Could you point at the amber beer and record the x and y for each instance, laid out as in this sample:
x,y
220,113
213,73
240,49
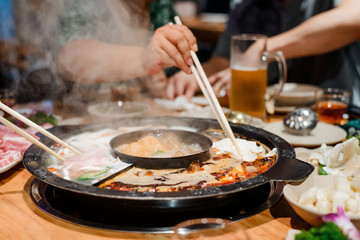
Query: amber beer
x,y
331,111
248,88
248,62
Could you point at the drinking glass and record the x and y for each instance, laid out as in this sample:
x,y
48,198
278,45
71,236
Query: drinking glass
x,y
249,67
331,104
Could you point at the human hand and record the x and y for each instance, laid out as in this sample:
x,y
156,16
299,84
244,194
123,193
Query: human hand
x,y
181,84
155,84
220,80
169,46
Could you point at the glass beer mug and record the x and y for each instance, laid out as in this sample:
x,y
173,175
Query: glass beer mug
x,y
249,64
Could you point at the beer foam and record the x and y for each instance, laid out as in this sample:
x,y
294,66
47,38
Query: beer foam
x,y
245,68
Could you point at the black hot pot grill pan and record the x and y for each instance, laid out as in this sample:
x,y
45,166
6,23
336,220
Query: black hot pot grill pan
x,y
286,168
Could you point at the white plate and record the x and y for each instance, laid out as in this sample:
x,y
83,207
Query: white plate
x,y
112,110
295,94
322,133
17,159
178,104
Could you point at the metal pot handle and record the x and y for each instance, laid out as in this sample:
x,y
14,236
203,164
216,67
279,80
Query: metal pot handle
x,y
289,169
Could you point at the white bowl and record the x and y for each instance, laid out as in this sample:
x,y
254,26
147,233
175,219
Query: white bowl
x,y
295,94
312,215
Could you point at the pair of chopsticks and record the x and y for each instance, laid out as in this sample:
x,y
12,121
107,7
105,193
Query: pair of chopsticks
x,y
37,127
209,94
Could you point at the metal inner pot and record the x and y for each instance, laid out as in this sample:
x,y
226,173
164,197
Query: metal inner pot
x,y
286,167
186,137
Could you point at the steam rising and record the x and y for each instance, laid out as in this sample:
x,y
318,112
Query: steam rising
x,y
46,25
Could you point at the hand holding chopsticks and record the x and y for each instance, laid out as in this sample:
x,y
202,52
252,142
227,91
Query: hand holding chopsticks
x,y
37,127
209,94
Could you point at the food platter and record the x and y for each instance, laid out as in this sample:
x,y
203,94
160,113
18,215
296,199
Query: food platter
x,y
286,168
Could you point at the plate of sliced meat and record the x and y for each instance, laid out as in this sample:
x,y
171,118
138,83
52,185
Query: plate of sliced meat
x,y
12,145
12,148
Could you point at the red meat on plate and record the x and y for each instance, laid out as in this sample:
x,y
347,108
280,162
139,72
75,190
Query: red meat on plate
x,y
12,147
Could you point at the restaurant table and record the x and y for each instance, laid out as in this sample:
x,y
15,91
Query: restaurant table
x,y
205,31
20,218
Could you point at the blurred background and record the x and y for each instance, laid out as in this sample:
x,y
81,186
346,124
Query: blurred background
x,y
27,30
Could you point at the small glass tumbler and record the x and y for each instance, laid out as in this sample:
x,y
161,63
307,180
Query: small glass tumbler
x,y
331,104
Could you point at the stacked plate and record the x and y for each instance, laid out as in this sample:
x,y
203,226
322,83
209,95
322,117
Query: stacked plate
x,y
294,95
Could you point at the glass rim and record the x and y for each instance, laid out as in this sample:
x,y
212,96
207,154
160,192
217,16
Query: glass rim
x,y
248,36
334,91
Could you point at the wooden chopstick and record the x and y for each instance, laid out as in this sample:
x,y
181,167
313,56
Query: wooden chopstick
x,y
29,137
209,94
37,127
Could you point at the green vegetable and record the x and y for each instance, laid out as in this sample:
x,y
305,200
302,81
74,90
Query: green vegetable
x,y
321,170
42,117
37,117
327,231
92,174
157,152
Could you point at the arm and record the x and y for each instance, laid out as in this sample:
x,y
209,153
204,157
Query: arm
x,y
91,61
322,33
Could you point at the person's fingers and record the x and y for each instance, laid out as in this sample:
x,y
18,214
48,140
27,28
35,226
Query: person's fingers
x,y
172,46
177,85
177,39
170,89
176,56
181,85
191,90
179,36
189,36
218,86
213,78
159,54
220,79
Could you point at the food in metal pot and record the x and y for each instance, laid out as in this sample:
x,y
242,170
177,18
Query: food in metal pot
x,y
224,166
160,146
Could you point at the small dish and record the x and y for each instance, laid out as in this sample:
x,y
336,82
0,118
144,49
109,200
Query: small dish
x,y
322,133
295,94
118,109
310,214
